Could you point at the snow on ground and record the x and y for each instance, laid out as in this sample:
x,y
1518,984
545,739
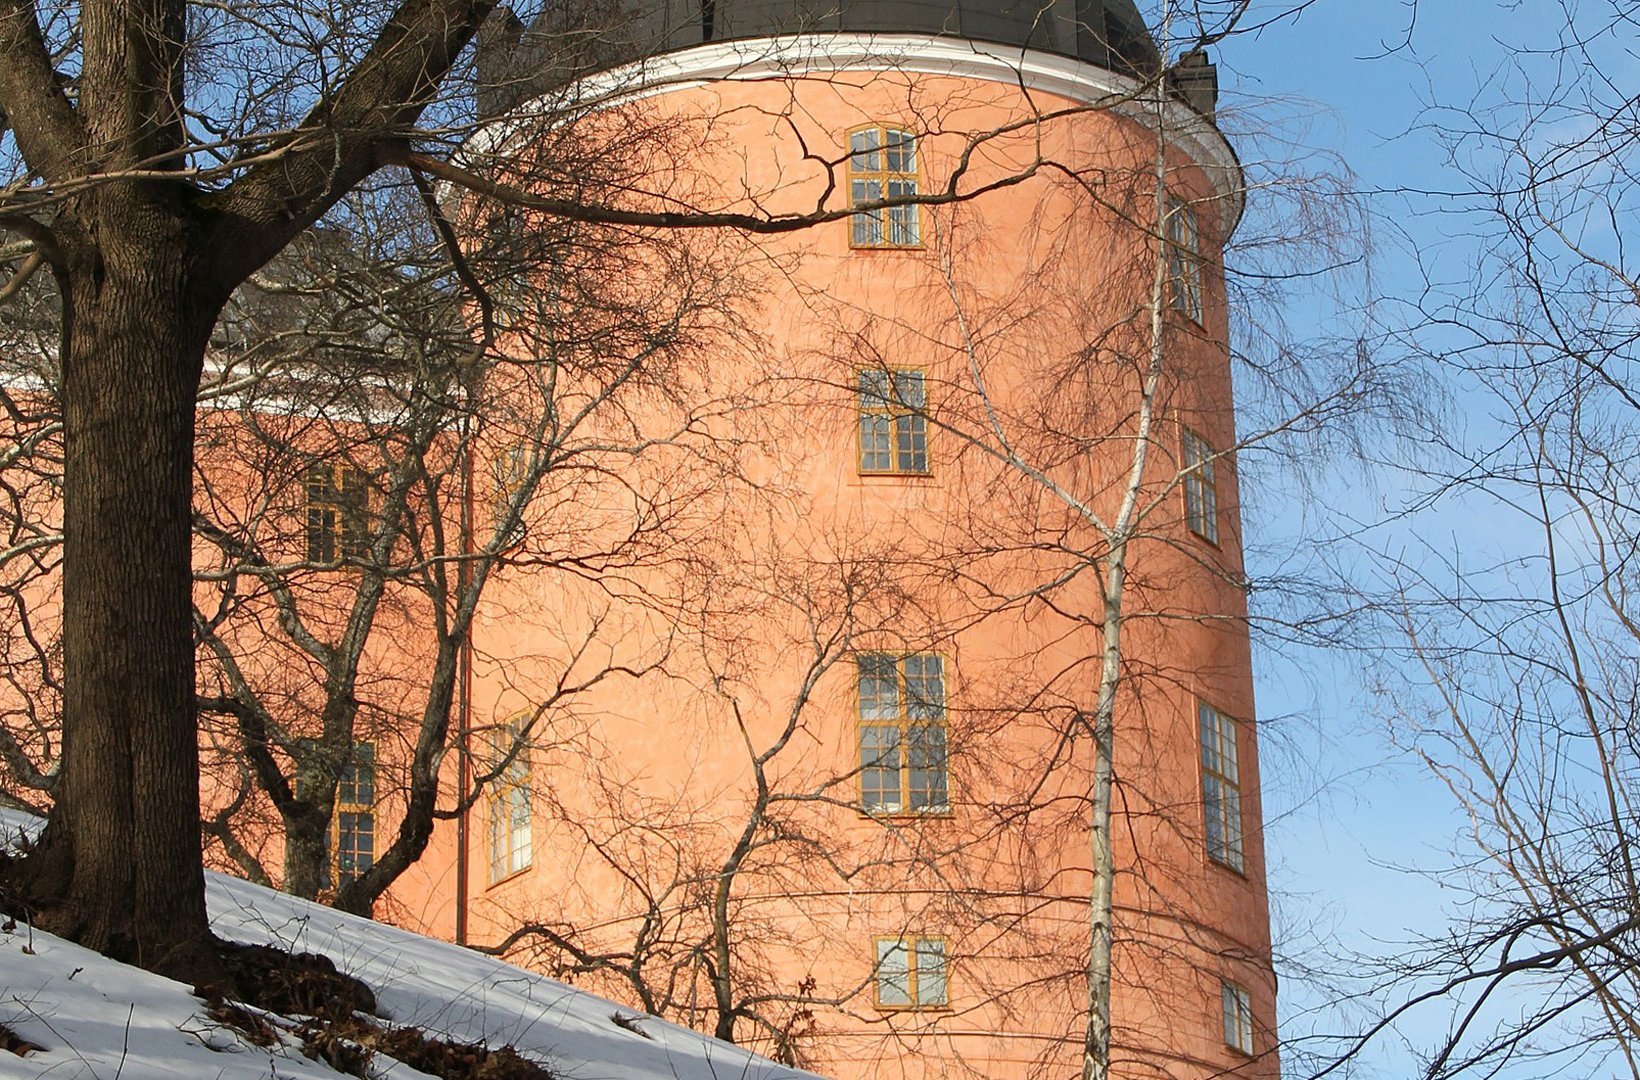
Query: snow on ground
x,y
99,1020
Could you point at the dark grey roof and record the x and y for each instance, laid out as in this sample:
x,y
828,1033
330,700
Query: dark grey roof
x,y
515,62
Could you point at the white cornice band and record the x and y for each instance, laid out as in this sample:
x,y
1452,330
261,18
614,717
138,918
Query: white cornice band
x,y
801,55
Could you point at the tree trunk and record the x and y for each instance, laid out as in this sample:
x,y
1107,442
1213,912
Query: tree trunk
x,y
307,849
119,868
1101,906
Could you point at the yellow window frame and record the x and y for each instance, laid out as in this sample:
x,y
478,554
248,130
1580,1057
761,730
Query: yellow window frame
x,y
903,420
338,512
911,946
911,733
884,161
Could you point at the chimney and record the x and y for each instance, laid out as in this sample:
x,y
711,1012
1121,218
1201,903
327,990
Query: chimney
x,y
1194,80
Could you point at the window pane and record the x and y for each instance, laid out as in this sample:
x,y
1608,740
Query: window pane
x,y
893,973
353,491
319,484
354,499
1213,803
357,784
878,687
1238,1017
902,224
1219,743
1221,791
863,151
1232,828
930,972
911,443
868,226
509,831
321,534
874,389
901,151
1184,259
876,446
509,801
355,844
925,760
1210,505
1211,758
518,838
925,686
498,845
909,390
509,468
880,768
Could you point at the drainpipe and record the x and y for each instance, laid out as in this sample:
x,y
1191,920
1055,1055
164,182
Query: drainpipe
x,y
464,577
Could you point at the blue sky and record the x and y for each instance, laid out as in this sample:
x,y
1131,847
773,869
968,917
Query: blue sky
x,y
1347,810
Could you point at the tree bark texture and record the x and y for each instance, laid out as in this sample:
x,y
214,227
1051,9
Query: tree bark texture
x,y
124,848
144,262
1101,897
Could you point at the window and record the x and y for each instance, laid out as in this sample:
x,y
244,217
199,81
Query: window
x,y
508,469
902,733
1221,787
338,513
893,421
1201,494
1184,260
1238,1017
910,973
882,164
510,812
505,249
353,835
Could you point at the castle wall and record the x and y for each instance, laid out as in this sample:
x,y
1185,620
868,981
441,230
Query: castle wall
x,y
1026,312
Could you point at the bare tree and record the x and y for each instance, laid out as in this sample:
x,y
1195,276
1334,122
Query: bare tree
x,y
157,157
1121,453
466,466
366,468
1520,635
150,212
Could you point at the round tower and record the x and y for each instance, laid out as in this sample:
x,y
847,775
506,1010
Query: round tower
x,y
973,611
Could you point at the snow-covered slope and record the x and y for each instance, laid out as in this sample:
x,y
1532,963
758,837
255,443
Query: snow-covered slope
x,y
99,1020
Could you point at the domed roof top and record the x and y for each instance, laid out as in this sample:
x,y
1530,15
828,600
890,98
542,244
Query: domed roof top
x,y
565,41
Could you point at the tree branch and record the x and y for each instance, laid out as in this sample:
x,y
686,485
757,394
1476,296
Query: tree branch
x,y
47,128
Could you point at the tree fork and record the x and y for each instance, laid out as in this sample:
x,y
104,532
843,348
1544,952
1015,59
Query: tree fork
x,y
143,269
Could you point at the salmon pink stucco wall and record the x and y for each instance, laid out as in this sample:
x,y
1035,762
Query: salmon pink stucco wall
x,y
681,632
701,843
